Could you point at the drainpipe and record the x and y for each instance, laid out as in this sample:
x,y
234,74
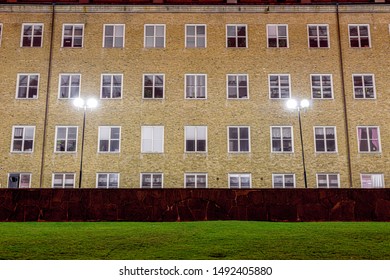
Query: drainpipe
x,y
344,97
47,95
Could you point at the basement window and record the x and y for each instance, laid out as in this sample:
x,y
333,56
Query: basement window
x,y
369,181
283,181
19,180
151,180
107,180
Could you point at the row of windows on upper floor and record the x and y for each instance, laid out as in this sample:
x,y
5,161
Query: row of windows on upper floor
x,y
194,180
195,86
195,35
195,139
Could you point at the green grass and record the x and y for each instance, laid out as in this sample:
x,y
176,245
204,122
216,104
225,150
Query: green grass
x,y
195,240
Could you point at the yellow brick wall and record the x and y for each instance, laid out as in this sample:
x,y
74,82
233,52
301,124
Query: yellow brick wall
x,y
174,112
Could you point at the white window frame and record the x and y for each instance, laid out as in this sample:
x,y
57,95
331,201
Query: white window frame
x,y
239,139
1,33
281,139
196,86
23,139
153,87
64,174
240,176
372,175
369,140
237,86
364,87
108,175
359,37
284,180
279,86
318,36
277,36
196,127
73,35
321,86
29,75
196,180
236,36
27,174
325,139
32,36
153,140
111,76
152,174
114,36
110,139
328,180
154,36
196,36
66,138
69,88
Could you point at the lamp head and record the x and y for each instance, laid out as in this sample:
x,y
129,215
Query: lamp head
x,y
78,102
292,104
305,103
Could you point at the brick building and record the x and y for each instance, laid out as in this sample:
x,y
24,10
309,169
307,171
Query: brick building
x,y
194,95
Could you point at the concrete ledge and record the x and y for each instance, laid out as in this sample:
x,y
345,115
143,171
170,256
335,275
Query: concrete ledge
x,y
194,205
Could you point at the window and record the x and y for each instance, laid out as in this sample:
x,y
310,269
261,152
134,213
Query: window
x,y
114,35
195,36
325,139
32,35
154,36
19,180
109,139
318,36
153,86
277,35
359,35
363,86
240,181
369,139
1,32
195,180
372,180
238,139
72,35
237,86
107,180
321,86
196,87
66,139
63,180
236,36
282,140
23,139
28,86
151,180
283,181
328,181
111,86
69,86
279,86
152,139
196,138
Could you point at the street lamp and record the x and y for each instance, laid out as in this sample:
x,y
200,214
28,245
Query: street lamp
x,y
293,104
81,104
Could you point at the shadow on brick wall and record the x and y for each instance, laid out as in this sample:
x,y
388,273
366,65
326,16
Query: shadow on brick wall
x,y
194,205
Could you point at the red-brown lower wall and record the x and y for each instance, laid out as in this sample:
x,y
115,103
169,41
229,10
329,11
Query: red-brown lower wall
x,y
194,205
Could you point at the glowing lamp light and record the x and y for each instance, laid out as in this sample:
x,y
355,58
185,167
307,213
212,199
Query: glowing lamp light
x,y
90,104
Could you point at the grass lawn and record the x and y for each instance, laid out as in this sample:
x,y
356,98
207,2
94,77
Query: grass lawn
x,y
195,240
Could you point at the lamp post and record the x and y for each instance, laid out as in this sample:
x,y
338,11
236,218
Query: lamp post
x,y
293,104
81,104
